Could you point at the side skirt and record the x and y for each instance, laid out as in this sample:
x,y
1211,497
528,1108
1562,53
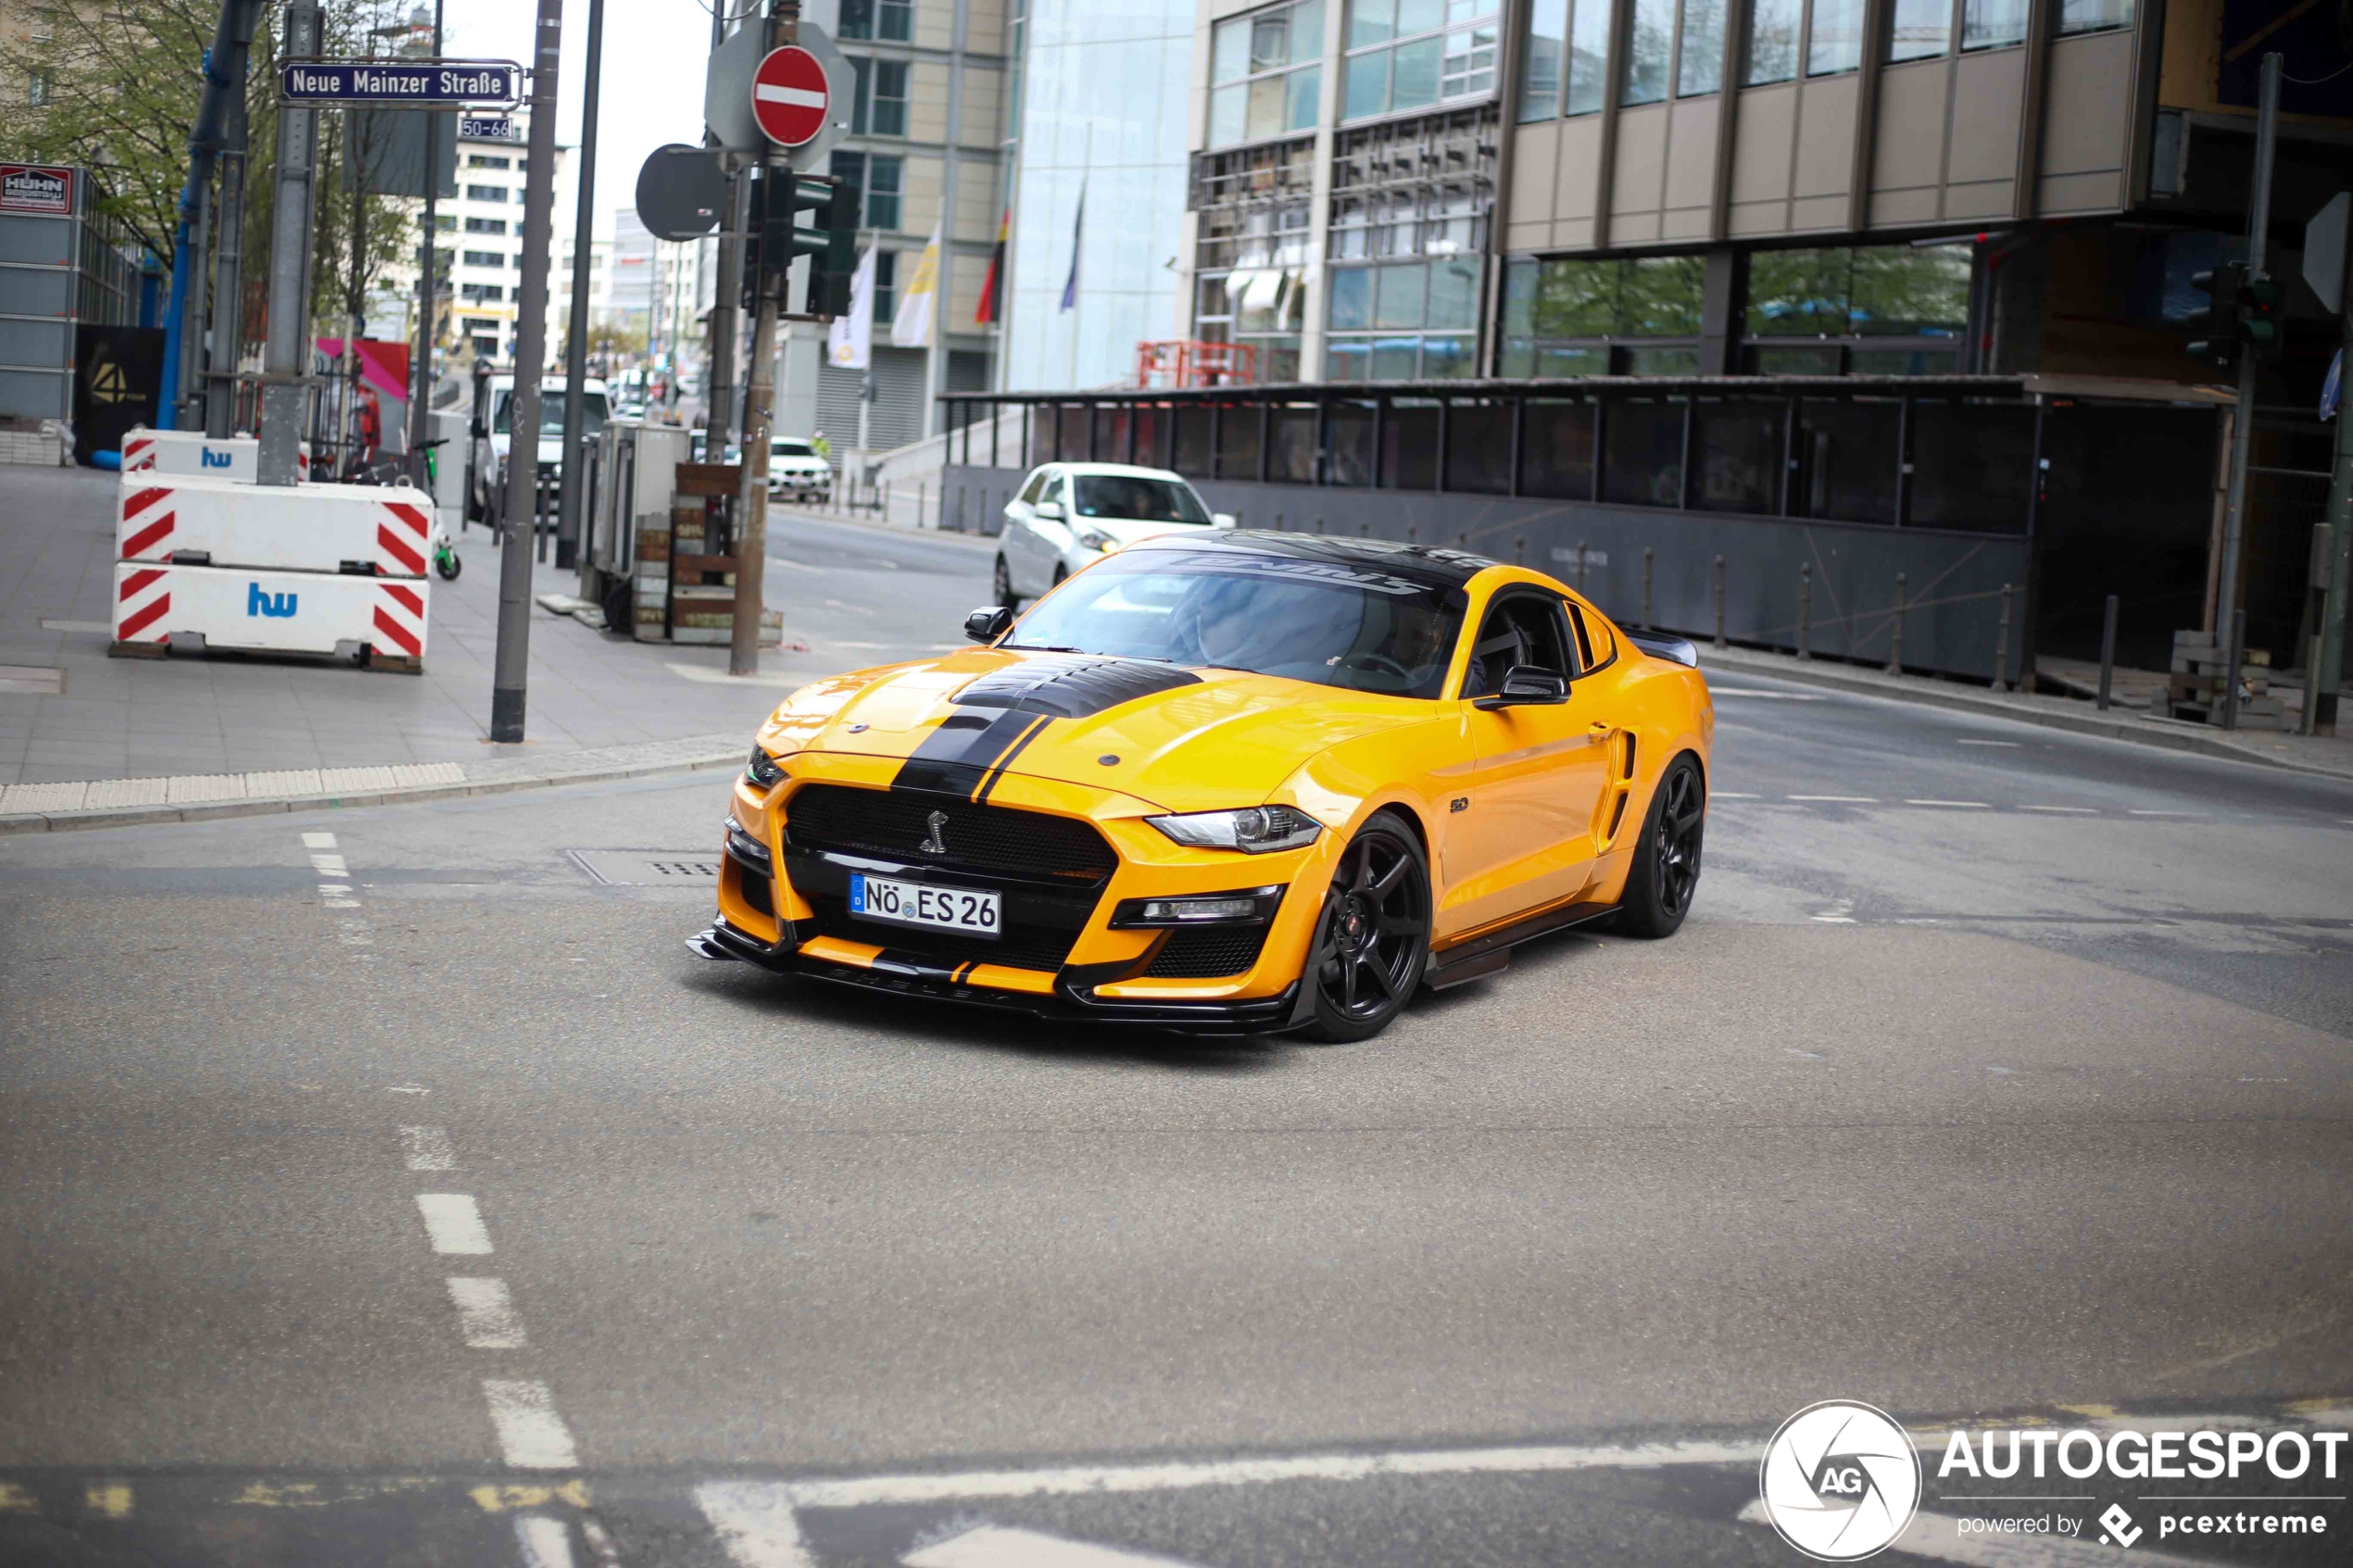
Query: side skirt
x,y
1491,953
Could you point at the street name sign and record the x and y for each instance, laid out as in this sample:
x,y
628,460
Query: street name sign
x,y
789,95
390,84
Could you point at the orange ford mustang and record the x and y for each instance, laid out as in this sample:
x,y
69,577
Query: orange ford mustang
x,y
1228,782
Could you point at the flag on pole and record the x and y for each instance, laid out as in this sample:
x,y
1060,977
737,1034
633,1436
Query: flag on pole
x,y
994,282
1077,229
911,322
849,342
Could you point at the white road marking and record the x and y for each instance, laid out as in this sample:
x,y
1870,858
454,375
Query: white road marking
x,y
1957,805
317,841
995,1546
2136,811
1841,799
1733,794
2011,744
1938,1538
486,1315
755,1522
330,865
407,1089
531,1434
2072,810
454,1223
1754,691
428,1148
546,1541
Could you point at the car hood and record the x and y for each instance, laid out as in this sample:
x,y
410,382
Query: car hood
x,y
1180,739
1130,531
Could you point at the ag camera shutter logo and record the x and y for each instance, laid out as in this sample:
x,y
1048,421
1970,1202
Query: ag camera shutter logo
x,y
1840,1481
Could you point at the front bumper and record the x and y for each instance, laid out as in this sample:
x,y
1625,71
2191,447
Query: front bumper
x,y
1064,952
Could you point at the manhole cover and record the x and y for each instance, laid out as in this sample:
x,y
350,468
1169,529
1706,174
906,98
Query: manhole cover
x,y
651,868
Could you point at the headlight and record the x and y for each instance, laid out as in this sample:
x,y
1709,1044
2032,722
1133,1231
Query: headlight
x,y
764,771
1254,830
1096,539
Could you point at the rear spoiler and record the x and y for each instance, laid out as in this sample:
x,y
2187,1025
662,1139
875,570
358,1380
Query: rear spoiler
x,y
1657,645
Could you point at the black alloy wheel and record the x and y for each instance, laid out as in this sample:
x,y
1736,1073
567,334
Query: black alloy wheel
x,y
1665,876
1372,938
1004,585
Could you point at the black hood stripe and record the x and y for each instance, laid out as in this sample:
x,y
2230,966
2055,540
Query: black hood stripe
x,y
1072,686
997,770
955,758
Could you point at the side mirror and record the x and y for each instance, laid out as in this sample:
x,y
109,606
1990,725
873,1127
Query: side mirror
x,y
986,625
1051,511
1526,686
1221,519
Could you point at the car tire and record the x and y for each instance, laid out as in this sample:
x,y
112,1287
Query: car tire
x,y
1665,876
1004,585
1372,939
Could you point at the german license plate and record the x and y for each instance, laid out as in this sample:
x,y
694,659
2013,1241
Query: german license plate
x,y
971,911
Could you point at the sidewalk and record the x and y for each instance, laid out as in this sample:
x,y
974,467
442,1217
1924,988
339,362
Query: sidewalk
x,y
2330,754
70,716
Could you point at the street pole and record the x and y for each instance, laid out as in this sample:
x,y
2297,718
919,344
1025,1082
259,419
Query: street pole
x,y
511,664
584,229
428,291
719,407
286,351
2259,224
228,283
760,395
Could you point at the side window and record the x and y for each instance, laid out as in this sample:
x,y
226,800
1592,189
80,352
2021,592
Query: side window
x,y
1036,488
1522,629
1594,647
1058,489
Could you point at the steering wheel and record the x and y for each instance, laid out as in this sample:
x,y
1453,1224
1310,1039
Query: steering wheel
x,y
1368,660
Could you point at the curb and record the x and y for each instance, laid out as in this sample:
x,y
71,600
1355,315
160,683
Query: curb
x,y
2139,731
136,816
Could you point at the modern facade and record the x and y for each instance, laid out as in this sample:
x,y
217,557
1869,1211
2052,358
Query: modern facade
x,y
1100,116
663,288
478,260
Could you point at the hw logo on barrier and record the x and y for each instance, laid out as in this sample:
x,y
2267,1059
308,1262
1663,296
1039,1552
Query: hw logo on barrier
x,y
279,605
213,459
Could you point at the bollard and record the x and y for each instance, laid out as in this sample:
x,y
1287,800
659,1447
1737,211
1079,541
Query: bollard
x,y
1412,533
1279,522
1648,624
2001,645
1895,630
1520,550
1806,611
1719,603
1363,527
922,493
1581,564
2108,651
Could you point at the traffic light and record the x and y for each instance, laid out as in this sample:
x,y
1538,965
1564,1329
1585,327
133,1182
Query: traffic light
x,y
2222,286
2260,315
831,243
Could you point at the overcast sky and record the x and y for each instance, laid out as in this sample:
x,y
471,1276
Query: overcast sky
x,y
654,51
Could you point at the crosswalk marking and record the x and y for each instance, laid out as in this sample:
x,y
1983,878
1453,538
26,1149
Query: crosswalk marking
x,y
993,1546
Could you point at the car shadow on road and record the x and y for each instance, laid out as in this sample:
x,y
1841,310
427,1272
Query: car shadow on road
x,y
1009,1033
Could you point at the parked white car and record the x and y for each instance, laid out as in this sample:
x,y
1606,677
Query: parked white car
x,y
491,437
1067,516
796,471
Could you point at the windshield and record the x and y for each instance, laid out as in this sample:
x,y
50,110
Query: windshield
x,y
1127,497
1305,621
786,446
551,412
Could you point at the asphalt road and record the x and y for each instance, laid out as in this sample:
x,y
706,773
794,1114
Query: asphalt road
x,y
2015,1079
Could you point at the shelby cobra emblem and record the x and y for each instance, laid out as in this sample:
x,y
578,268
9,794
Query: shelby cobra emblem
x,y
932,843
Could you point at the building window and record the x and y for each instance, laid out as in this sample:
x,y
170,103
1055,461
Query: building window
x,y
879,179
1771,55
485,193
1992,24
886,286
37,88
2094,15
1917,30
1700,69
1835,46
890,117
1419,187
481,293
1413,54
887,20
485,225
485,259
482,160
1265,74
1571,318
1650,37
1861,301
1403,322
445,222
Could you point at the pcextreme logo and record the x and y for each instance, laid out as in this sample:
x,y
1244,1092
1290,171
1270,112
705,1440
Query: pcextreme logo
x,y
1840,1481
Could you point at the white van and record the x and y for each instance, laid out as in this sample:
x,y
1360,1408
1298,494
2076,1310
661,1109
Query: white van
x,y
491,433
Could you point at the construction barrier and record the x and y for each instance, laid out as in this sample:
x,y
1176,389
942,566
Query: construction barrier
x,y
377,531
193,453
269,611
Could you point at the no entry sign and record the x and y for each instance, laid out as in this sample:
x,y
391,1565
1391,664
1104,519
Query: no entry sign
x,y
790,97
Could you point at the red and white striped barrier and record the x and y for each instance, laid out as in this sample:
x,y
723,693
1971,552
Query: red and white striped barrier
x,y
386,531
269,610
198,456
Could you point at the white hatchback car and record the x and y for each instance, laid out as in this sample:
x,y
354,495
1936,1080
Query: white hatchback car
x,y
796,471
1067,516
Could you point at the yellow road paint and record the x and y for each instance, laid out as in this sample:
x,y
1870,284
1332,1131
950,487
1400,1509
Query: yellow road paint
x,y
309,1494
111,1499
17,1500
498,1499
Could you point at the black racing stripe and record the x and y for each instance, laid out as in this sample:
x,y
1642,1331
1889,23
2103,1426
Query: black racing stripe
x,y
996,772
1072,686
954,757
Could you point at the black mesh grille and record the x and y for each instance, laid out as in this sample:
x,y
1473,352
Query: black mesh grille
x,y
754,888
894,823
1022,947
1200,955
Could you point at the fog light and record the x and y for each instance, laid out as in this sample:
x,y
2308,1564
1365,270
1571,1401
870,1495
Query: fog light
x,y
1198,908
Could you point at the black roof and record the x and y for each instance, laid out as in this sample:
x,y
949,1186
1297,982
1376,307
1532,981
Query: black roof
x,y
1432,565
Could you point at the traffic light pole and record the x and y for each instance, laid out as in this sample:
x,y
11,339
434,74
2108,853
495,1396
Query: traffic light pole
x,y
760,400
2227,625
